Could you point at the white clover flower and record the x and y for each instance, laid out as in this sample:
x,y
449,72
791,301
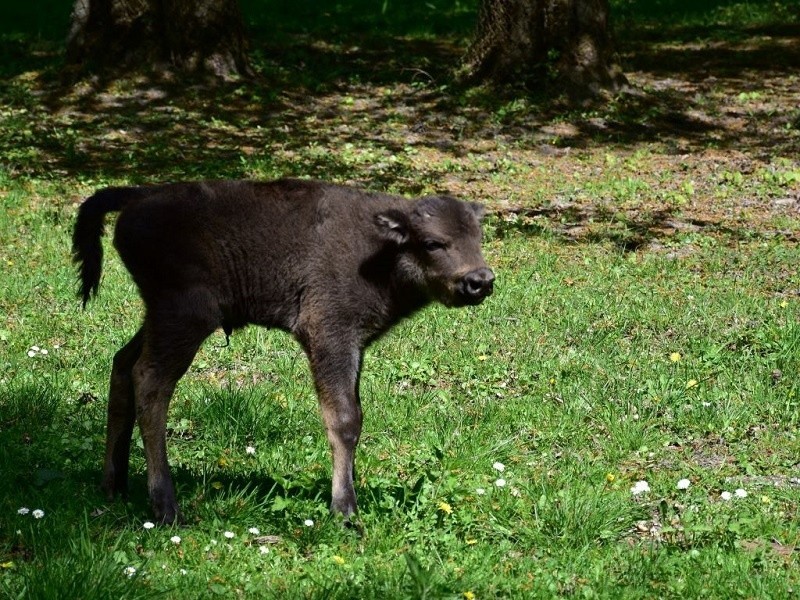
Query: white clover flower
x,y
684,484
43,351
500,482
263,549
250,450
498,466
148,525
183,571
129,571
229,534
38,513
175,539
254,530
308,523
23,510
741,493
31,353
480,491
726,496
640,487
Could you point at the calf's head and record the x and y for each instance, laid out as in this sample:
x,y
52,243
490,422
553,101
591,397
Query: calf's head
x,y
440,242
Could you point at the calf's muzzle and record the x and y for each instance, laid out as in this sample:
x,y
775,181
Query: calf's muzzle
x,y
477,285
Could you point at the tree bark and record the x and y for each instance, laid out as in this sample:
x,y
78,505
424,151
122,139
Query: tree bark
x,y
192,36
564,44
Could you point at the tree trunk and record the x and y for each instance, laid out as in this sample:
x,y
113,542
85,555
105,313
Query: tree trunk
x,y
565,43
192,36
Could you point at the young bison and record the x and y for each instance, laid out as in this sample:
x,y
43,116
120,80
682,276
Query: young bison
x,y
333,265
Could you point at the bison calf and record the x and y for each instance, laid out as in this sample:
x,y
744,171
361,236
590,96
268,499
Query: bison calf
x,y
333,265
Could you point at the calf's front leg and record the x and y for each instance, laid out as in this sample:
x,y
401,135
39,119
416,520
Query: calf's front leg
x,y
336,374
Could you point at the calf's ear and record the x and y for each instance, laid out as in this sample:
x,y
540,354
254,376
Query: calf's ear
x,y
478,209
393,226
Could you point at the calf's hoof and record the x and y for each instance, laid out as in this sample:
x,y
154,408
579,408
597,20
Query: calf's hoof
x,y
165,509
113,485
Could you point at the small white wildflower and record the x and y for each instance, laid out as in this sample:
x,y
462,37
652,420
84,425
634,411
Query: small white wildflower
x,y
35,348
183,571
263,549
23,511
726,496
148,525
684,484
498,466
38,513
706,404
640,487
250,450
515,492
254,530
31,353
500,483
229,534
308,523
741,493
175,539
43,351
480,491
129,571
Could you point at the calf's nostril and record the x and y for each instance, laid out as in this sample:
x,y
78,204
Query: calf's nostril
x,y
479,283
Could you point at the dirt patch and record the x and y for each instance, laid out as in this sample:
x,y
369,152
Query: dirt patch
x,y
706,142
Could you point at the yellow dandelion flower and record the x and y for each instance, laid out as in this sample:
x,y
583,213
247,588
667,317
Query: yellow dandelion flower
x,y
691,383
784,304
765,499
469,595
610,477
483,357
675,356
445,508
217,485
338,560
471,542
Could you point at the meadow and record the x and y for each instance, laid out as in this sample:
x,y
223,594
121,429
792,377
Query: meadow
x,y
619,420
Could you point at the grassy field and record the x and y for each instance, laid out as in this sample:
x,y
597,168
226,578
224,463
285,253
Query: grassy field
x,y
644,325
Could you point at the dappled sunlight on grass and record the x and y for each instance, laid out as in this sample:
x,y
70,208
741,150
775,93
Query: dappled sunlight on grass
x,y
619,418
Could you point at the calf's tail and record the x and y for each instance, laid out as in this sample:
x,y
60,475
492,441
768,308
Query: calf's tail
x,y
87,250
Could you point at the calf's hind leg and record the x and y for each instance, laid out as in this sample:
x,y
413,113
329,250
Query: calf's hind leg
x,y
121,418
170,344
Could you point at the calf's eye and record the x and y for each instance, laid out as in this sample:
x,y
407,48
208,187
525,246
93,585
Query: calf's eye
x,y
432,245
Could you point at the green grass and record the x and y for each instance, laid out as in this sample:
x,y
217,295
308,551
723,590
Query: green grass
x,y
644,326
564,376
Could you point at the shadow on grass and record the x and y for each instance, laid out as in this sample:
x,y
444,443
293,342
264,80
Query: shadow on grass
x,y
353,105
